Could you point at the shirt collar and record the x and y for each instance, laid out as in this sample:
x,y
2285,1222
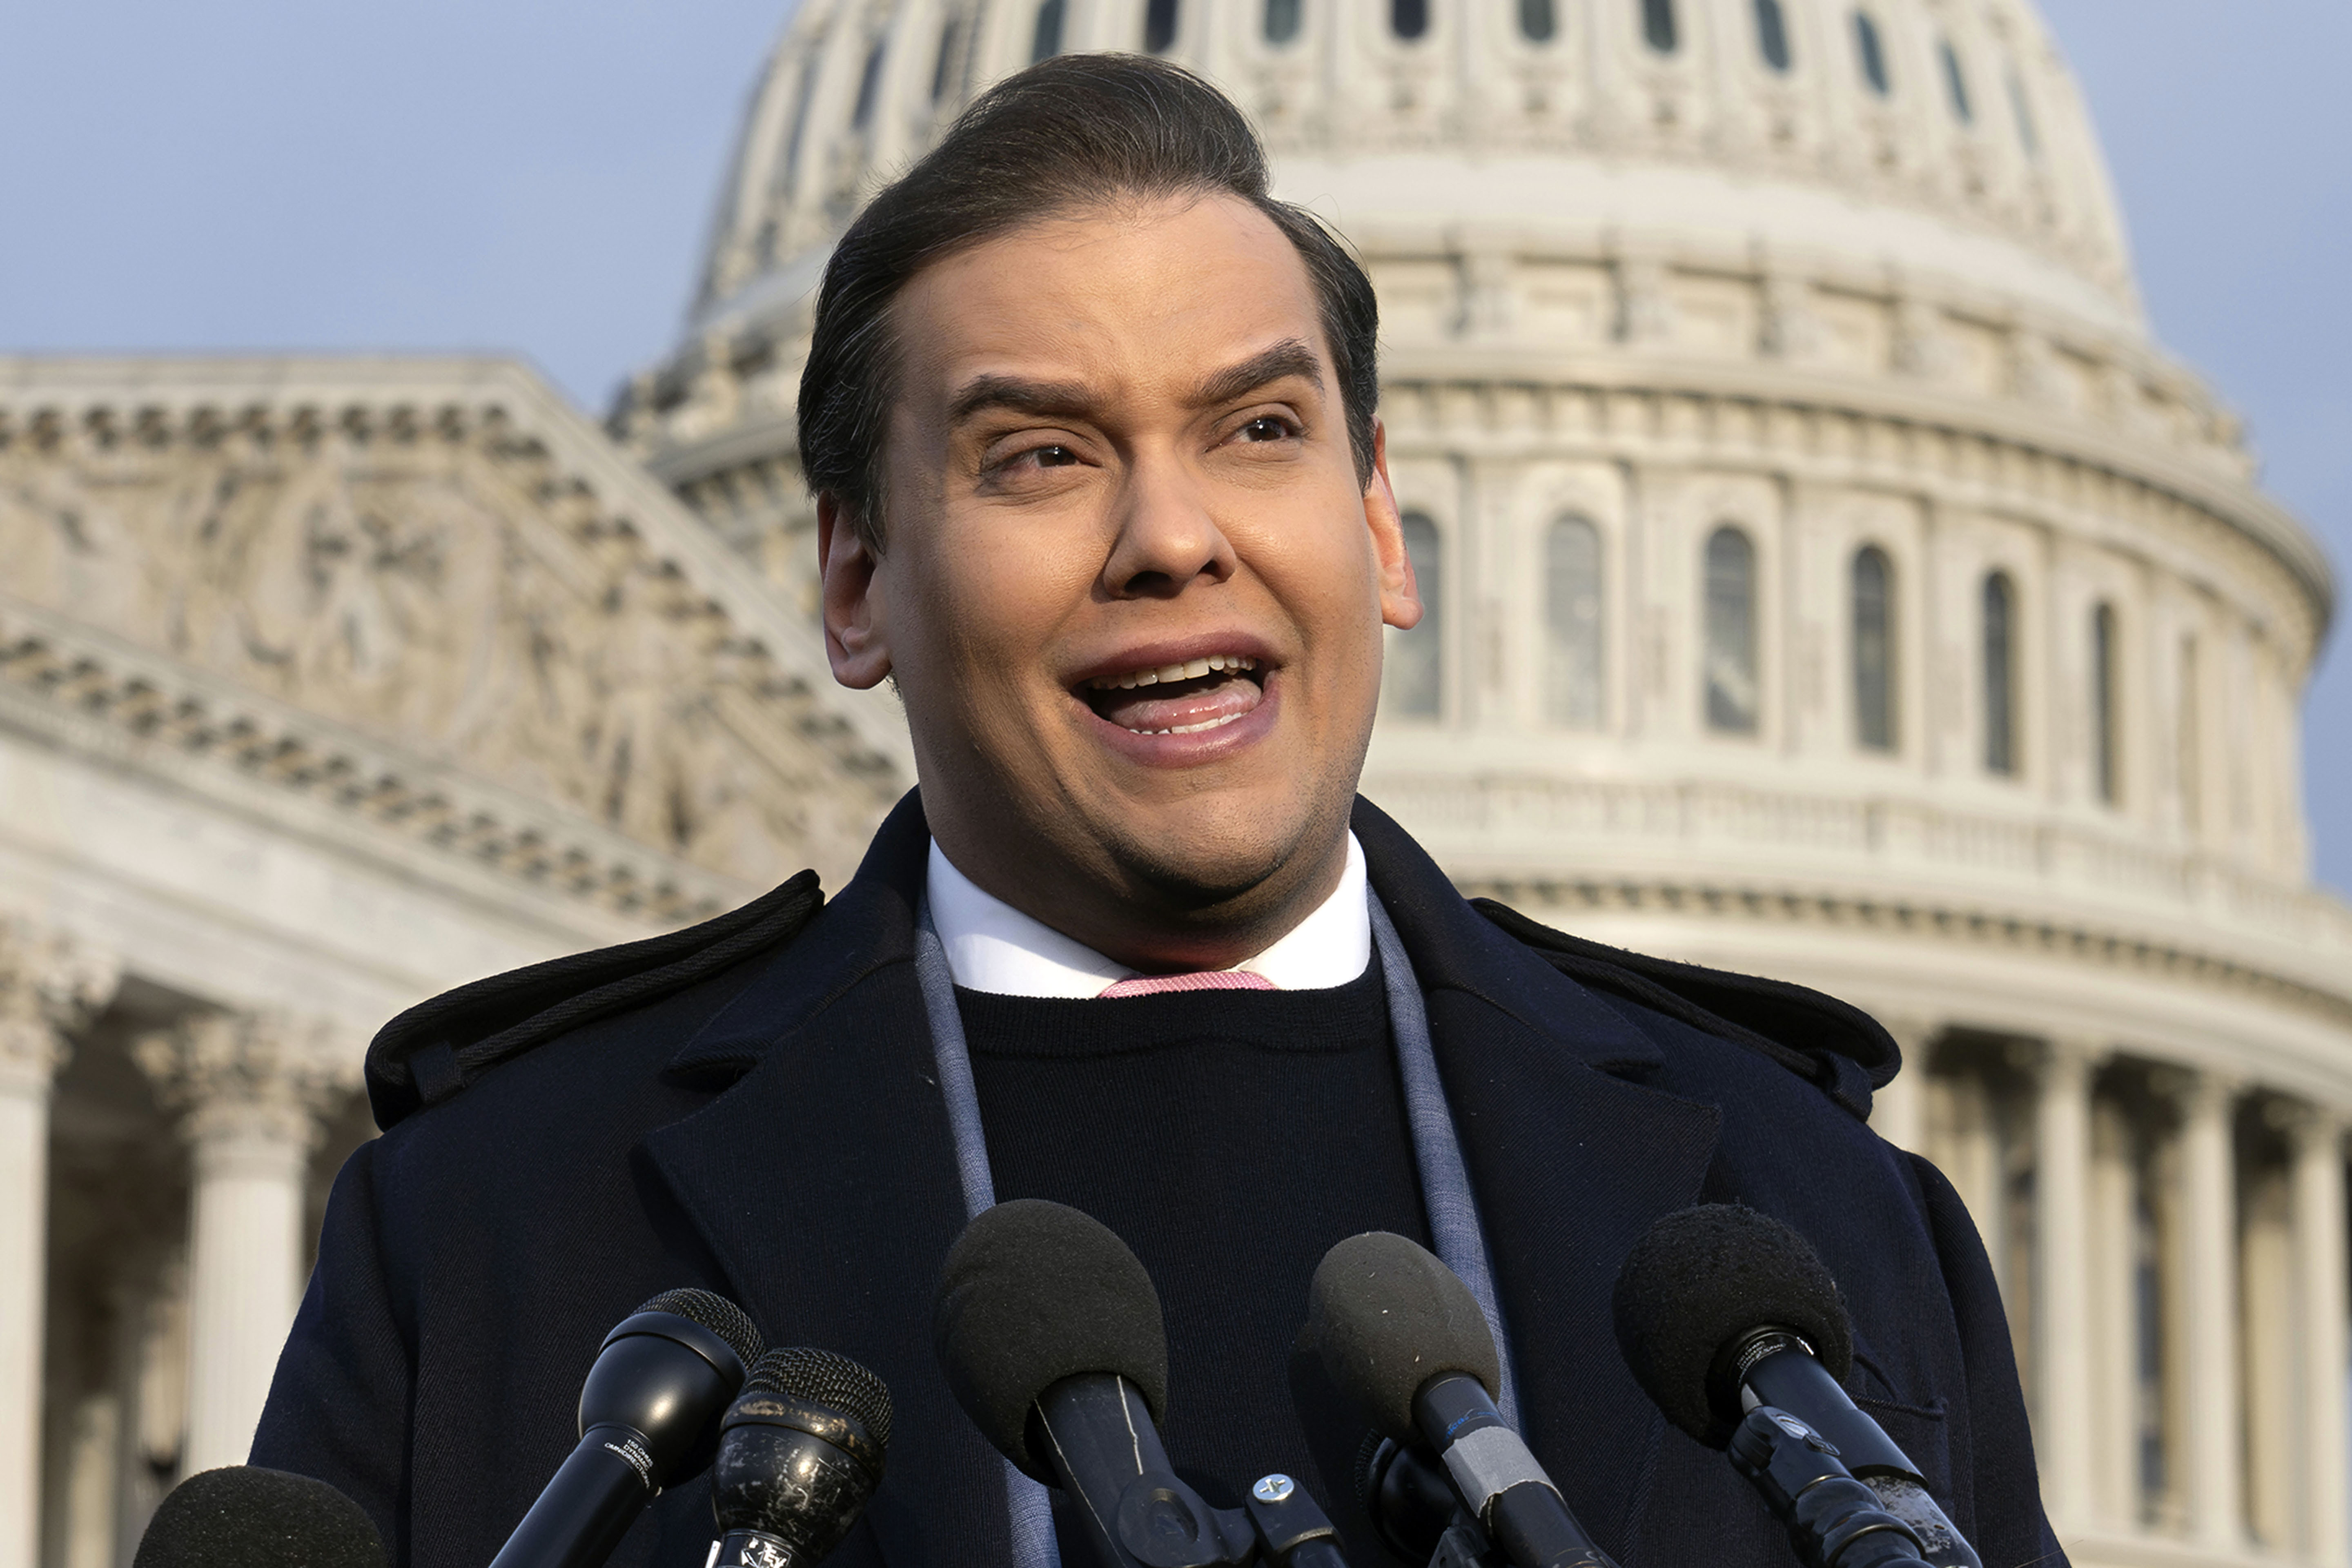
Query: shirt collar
x,y
993,947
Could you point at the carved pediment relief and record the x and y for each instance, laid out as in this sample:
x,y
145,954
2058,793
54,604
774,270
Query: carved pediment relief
x,y
466,573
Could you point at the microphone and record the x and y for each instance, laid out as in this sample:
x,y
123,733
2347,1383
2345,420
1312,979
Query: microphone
x,y
1736,1330
246,1517
1404,1340
799,1454
1051,1336
649,1419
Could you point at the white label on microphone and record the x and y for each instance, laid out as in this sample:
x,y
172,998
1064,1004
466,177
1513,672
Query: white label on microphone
x,y
1488,1462
639,1460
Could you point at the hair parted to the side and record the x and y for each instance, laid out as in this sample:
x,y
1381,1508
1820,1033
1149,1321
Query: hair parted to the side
x,y
1067,133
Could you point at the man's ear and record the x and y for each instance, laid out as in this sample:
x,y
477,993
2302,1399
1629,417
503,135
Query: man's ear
x,y
856,628
1399,594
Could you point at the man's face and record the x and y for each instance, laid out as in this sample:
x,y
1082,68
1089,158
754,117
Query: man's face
x,y
1133,589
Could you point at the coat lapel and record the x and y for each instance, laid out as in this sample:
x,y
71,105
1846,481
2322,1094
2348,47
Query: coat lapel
x,y
825,1181
1570,1156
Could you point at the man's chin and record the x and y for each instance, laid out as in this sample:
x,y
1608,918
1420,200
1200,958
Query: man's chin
x,y
1218,878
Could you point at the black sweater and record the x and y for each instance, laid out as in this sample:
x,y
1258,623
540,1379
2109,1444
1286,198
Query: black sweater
x,y
1230,1138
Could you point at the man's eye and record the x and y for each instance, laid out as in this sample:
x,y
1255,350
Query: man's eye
x,y
1267,427
1054,456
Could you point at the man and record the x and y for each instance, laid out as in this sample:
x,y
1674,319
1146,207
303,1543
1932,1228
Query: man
x,y
1090,423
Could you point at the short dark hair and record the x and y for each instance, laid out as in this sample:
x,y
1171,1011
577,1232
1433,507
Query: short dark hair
x,y
1066,134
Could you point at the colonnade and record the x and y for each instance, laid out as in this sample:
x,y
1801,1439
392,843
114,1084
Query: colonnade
x,y
2171,1248
247,1089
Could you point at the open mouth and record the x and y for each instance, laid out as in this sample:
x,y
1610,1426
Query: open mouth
x,y
1177,698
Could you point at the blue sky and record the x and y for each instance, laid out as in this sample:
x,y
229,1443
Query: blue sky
x,y
522,175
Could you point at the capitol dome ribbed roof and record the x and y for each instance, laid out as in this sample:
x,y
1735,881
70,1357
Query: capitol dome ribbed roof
x,y
1928,135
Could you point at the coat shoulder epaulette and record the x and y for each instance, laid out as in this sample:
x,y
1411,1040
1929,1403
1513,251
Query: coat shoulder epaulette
x,y
439,1046
1831,1044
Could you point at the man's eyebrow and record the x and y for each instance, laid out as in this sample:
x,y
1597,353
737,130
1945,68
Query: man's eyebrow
x,y
1018,394
1279,363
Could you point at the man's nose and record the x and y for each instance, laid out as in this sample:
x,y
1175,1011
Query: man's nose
x,y
1168,539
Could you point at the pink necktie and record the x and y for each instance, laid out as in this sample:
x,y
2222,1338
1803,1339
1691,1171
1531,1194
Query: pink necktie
x,y
1200,980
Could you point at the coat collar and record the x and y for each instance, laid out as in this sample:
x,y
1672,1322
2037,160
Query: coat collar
x,y
824,1179
1453,947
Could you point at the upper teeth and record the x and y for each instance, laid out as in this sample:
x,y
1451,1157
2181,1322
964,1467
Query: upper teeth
x,y
1191,669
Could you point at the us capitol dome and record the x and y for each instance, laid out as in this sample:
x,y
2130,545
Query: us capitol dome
x,y
1829,576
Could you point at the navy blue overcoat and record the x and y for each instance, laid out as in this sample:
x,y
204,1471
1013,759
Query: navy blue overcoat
x,y
750,1106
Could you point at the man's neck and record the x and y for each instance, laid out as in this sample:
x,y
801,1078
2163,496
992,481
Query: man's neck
x,y
993,946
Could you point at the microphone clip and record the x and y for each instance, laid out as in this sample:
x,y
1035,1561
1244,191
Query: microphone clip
x,y
1160,1522
1834,1520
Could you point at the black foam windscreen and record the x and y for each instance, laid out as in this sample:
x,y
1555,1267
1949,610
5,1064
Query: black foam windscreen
x,y
1704,1278
715,1312
1033,1292
246,1517
1386,1316
835,1382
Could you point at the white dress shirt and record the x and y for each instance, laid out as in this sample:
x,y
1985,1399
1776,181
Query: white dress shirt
x,y
993,947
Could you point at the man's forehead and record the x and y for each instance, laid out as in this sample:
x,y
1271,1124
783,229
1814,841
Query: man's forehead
x,y
1176,292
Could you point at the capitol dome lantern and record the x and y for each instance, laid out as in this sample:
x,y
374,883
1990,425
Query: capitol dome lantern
x,y
1830,577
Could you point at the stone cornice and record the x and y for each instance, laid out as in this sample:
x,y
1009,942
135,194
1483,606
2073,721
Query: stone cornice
x,y
1988,925
1892,866
94,694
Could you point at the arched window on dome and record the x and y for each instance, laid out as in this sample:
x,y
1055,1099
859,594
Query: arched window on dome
x,y
1733,692
1772,34
1282,20
1159,19
1956,84
1538,20
1409,18
869,82
1572,624
1871,53
1413,682
2107,760
2020,108
1658,29
1999,675
1045,38
943,70
1873,649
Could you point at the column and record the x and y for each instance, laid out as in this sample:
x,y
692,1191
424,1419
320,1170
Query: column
x,y
2063,1403
92,1471
249,1086
49,986
2116,1167
2318,1143
1899,1112
2212,1443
